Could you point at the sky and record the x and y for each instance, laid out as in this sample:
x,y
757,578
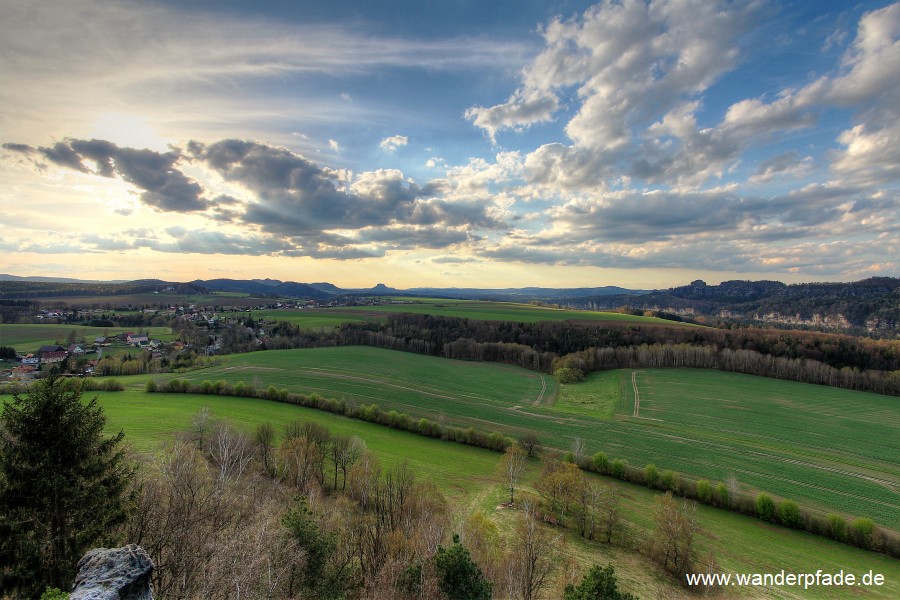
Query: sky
x,y
639,143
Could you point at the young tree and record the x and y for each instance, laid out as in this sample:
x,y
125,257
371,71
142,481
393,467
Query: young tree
x,y
673,538
598,584
62,485
530,443
459,576
264,438
512,465
534,556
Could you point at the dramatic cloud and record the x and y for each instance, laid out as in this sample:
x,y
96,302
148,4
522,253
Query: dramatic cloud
x,y
165,188
740,136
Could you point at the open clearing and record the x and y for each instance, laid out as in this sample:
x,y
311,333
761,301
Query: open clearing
x,y
828,449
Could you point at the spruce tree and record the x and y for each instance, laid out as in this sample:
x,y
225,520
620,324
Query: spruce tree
x,y
459,576
63,486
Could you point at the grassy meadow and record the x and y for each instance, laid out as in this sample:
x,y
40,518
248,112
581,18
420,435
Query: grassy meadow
x,y
471,309
467,476
28,338
829,449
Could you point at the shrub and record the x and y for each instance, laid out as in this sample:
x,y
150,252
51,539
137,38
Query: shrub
x,y
669,480
789,514
601,463
722,494
837,527
704,491
617,468
864,533
150,386
568,375
765,507
496,441
651,475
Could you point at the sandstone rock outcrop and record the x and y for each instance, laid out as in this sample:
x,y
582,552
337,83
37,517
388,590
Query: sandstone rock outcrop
x,y
114,574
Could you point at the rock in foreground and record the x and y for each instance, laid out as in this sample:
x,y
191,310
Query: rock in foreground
x,y
114,574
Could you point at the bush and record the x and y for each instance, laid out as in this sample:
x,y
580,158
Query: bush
x,y
789,514
722,494
497,441
864,533
601,463
765,507
669,481
150,386
617,468
704,491
651,475
837,527
568,375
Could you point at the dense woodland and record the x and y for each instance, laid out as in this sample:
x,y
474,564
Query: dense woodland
x,y
869,306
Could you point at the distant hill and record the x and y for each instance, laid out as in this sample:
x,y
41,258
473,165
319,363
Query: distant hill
x,y
871,304
264,287
35,278
521,294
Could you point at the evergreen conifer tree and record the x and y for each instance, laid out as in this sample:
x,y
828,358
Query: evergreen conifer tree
x,y
63,486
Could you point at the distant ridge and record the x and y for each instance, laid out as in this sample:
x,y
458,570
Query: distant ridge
x,y
872,304
39,279
522,294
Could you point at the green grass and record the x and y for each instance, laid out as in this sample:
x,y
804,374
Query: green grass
x,y
466,475
453,467
424,385
467,309
498,311
597,396
831,450
28,338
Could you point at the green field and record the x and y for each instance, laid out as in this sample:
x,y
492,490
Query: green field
x,y
412,383
467,309
28,338
466,475
501,311
828,449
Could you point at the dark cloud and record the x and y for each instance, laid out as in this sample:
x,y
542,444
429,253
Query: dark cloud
x,y
296,197
453,260
414,237
164,186
23,148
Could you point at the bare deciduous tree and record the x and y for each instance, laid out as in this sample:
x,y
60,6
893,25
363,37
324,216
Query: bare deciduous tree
x,y
512,465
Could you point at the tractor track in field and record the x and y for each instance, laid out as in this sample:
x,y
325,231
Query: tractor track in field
x,y
543,389
637,395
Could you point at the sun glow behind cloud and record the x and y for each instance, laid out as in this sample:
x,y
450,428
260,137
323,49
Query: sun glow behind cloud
x,y
586,153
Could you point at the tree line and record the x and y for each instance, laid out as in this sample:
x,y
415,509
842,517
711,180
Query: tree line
x,y
827,359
